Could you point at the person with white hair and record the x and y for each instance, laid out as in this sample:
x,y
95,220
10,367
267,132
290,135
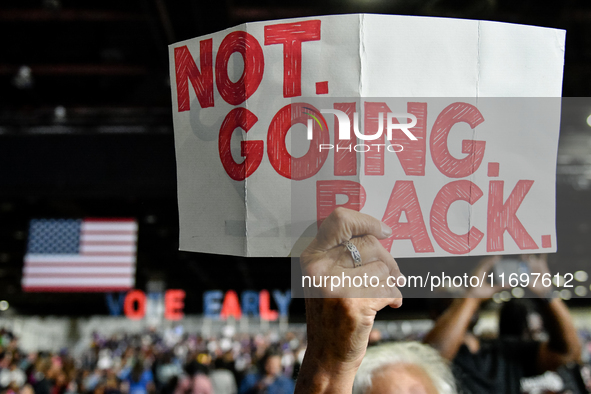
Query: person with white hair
x,y
339,321
403,367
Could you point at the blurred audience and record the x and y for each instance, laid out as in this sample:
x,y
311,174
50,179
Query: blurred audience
x,y
501,365
535,336
269,379
105,368
154,362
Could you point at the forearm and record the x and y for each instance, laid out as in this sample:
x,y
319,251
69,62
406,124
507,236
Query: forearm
x,y
563,338
319,377
448,333
336,346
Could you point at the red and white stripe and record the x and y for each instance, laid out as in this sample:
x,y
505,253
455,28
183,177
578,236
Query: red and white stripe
x,y
106,261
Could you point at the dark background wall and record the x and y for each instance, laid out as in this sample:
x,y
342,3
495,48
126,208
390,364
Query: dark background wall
x,y
86,130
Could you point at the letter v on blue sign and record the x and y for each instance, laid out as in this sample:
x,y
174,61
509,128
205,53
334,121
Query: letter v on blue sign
x,y
115,306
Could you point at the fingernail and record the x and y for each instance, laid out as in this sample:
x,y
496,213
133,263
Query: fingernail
x,y
386,230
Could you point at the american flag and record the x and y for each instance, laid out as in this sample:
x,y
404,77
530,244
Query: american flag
x,y
80,255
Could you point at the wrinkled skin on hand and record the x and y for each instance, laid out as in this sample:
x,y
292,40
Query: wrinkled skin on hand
x,y
340,321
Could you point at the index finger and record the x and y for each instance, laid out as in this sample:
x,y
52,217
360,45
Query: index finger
x,y
343,224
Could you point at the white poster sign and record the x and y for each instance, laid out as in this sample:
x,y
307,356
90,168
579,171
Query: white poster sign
x,y
445,129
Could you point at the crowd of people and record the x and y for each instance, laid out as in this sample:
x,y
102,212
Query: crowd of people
x,y
176,362
168,362
537,351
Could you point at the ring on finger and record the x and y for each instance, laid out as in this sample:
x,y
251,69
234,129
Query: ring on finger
x,y
354,253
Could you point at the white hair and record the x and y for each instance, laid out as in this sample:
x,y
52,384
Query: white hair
x,y
410,353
